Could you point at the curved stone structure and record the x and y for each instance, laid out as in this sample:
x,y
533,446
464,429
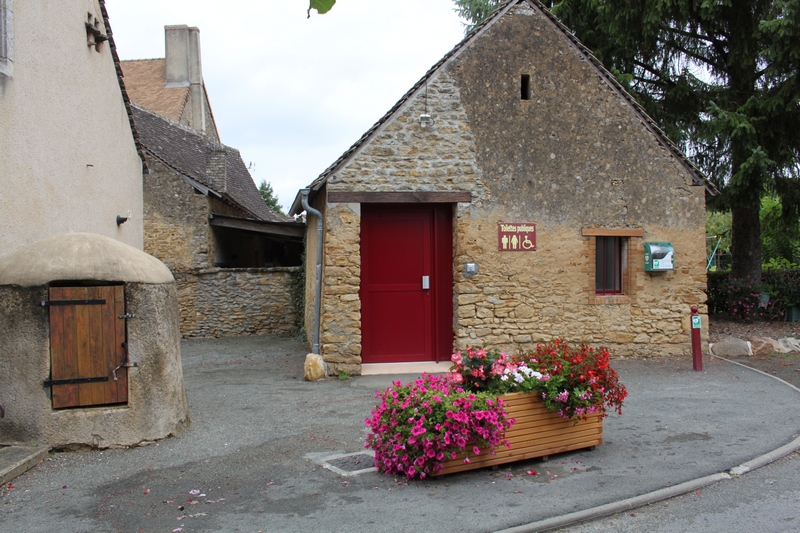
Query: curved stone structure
x,y
156,406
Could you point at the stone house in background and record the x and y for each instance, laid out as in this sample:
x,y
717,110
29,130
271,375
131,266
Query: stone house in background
x,y
232,256
69,160
511,196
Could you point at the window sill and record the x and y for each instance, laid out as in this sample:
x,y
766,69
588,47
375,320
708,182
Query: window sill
x,y
609,299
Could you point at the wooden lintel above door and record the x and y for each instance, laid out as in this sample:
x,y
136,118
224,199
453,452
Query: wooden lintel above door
x,y
399,197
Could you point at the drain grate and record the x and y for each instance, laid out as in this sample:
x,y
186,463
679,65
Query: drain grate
x,y
352,463
349,464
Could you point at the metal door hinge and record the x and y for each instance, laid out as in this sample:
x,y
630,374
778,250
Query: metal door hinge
x,y
73,381
46,303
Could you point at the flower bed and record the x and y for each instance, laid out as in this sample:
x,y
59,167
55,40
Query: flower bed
x,y
437,425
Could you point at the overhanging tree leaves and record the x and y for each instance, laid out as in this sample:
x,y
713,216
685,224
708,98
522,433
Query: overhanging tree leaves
x,y
475,11
721,78
322,6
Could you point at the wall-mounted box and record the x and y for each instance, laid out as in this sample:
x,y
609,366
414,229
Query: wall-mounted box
x,y
658,256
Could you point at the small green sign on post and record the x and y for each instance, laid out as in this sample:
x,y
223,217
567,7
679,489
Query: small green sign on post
x,y
695,322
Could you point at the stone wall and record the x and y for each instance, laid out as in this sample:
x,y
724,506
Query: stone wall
x,y
214,302
176,226
233,302
575,159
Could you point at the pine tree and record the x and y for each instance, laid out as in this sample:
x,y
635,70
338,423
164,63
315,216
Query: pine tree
x,y
269,197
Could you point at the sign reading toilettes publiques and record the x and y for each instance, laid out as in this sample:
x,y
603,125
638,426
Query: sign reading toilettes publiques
x,y
516,236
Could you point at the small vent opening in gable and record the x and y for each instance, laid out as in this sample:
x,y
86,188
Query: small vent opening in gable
x,y
525,86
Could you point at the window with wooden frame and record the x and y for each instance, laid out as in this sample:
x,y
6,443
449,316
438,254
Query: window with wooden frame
x,y
610,259
612,271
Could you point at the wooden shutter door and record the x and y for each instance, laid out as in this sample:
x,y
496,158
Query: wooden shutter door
x,y
87,346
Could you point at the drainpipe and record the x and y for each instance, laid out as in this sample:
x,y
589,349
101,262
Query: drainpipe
x,y
318,281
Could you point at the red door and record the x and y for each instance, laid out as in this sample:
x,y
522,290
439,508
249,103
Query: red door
x,y
406,282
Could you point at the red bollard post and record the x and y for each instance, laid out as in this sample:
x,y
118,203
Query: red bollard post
x,y
697,353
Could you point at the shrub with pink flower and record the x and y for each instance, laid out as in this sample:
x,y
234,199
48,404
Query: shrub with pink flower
x,y
419,425
572,381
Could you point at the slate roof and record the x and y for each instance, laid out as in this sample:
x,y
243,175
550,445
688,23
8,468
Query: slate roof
x,y
698,176
189,153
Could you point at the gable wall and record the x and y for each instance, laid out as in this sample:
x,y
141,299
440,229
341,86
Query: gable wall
x,y
574,157
176,220
68,161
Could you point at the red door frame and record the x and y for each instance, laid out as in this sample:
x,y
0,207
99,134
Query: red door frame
x,y
438,306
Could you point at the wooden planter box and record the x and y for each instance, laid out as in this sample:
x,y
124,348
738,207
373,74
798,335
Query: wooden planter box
x,y
536,433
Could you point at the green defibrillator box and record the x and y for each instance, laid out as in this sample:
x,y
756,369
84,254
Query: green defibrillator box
x,y
658,256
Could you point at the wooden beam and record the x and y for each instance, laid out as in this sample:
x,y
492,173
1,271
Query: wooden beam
x,y
606,232
399,197
265,228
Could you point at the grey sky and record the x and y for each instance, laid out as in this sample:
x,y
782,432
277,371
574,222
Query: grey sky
x,y
291,93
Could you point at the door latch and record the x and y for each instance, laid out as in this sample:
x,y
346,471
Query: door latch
x,y
426,282
126,316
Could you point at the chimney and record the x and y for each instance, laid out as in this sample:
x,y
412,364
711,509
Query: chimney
x,y
184,69
217,169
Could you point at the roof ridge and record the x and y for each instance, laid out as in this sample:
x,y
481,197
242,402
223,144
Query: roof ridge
x,y
142,59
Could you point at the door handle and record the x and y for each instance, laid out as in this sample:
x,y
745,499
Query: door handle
x,y
426,282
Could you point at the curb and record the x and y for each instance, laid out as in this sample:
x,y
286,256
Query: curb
x,y
16,460
616,507
628,504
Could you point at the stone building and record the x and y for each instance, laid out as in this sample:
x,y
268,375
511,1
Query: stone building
x,y
510,197
232,256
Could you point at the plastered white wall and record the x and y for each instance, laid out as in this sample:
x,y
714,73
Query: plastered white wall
x,y
68,161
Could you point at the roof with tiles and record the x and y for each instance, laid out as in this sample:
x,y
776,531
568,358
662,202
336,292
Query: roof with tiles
x,y
146,80
191,154
697,175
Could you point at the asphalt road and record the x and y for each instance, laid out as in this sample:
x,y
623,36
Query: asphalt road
x,y
766,500
251,460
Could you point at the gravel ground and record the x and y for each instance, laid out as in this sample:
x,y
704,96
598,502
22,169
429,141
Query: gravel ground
x,y
785,366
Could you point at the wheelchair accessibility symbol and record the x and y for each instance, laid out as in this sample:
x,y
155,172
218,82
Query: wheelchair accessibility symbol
x,y
527,244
